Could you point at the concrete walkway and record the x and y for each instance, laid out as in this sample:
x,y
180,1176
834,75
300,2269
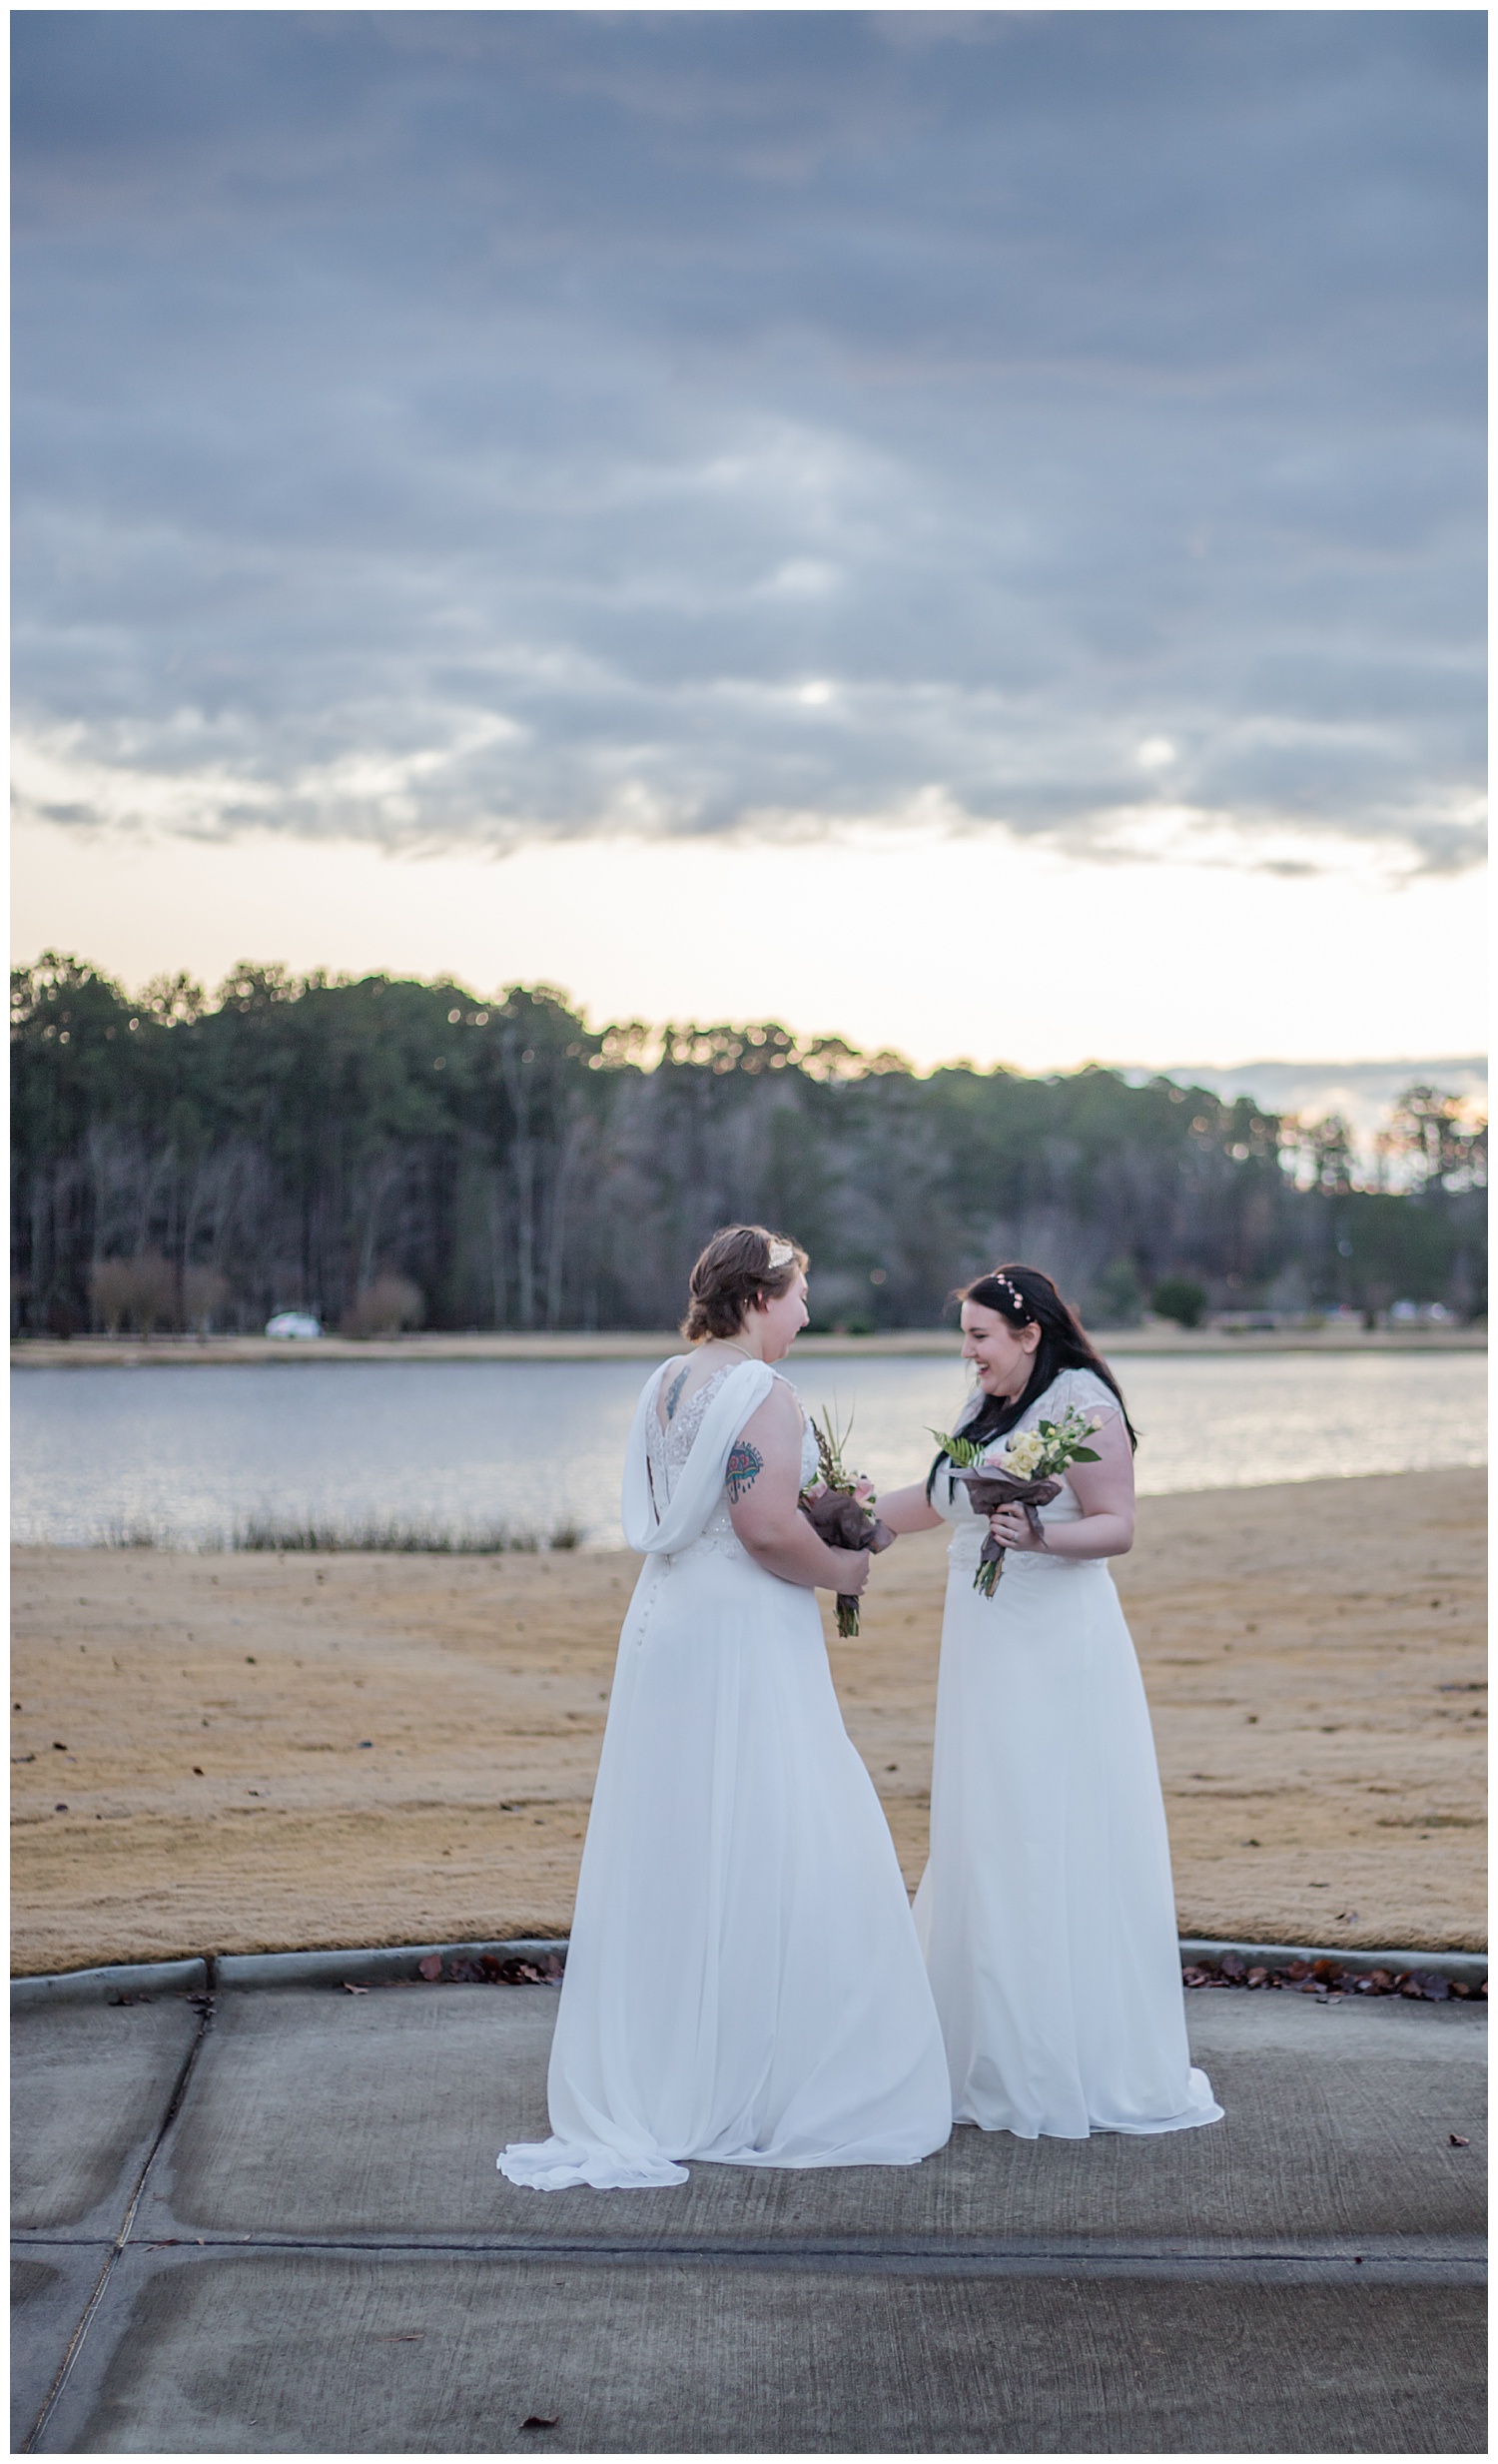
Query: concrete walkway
x,y
271,2221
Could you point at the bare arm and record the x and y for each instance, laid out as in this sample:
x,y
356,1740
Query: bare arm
x,y
907,1509
764,1482
1105,1493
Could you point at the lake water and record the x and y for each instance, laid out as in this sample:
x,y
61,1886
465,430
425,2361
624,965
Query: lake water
x,y
194,1452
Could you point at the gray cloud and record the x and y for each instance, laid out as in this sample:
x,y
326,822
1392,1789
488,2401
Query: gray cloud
x,y
475,427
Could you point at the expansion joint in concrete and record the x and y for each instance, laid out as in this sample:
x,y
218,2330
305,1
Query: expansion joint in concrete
x,y
34,2435
1413,2258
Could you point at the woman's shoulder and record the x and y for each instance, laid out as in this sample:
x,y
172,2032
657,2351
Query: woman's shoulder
x,y
781,1396
1080,1389
774,1413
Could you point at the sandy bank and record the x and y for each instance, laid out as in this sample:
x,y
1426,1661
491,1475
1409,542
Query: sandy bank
x,y
259,1753
937,1342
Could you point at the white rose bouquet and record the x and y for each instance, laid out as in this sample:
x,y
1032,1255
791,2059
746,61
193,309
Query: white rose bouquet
x,y
1027,1473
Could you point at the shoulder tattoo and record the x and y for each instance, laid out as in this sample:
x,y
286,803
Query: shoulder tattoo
x,y
745,1464
673,1393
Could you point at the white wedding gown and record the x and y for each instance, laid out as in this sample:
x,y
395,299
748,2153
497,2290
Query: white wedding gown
x,y
744,1984
1047,1909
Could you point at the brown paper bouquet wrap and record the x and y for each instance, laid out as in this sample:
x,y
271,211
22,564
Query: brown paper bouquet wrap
x,y
990,1490
1046,1451
840,1516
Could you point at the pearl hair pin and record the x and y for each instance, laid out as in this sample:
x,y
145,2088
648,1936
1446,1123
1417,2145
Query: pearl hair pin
x,y
781,1254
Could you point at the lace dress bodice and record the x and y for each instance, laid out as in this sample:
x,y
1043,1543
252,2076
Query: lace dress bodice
x,y
1073,1389
666,1450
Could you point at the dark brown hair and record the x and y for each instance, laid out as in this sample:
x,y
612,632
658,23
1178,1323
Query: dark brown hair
x,y
733,1273
1023,1296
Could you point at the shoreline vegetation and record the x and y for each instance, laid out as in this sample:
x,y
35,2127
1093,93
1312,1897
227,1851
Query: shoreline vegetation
x,y
389,1154
262,1751
230,1350
372,1536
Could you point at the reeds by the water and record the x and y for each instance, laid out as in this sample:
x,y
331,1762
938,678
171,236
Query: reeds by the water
x,y
401,1535
120,1534
374,1534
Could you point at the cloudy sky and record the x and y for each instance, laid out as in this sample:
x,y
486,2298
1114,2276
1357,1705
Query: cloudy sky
x,y
808,513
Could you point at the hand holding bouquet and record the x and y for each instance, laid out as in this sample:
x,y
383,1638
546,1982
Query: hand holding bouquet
x,y
1026,1474
838,1509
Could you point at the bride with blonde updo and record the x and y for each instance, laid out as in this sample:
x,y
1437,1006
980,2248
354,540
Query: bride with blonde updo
x,y
744,1984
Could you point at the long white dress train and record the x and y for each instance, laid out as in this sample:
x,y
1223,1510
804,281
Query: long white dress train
x,y
1047,1909
744,1983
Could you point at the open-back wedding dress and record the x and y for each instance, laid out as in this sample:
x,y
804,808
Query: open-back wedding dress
x,y
744,1984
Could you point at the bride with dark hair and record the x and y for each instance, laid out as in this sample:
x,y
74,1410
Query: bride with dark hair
x,y
1047,1910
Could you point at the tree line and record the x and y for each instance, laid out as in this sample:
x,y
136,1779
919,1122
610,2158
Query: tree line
x,y
386,1153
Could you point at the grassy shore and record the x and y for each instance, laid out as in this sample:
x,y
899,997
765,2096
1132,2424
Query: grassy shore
x,y
254,1752
227,1350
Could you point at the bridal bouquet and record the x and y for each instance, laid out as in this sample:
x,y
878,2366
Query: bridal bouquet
x,y
1026,1474
838,1509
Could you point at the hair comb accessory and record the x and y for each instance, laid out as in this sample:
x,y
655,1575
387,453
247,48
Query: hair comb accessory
x,y
781,1254
1016,1299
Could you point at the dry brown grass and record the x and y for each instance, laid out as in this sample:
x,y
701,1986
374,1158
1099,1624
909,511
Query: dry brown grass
x,y
1295,1644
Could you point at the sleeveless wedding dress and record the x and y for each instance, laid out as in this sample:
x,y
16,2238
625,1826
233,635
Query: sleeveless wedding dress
x,y
744,1984
1047,1909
